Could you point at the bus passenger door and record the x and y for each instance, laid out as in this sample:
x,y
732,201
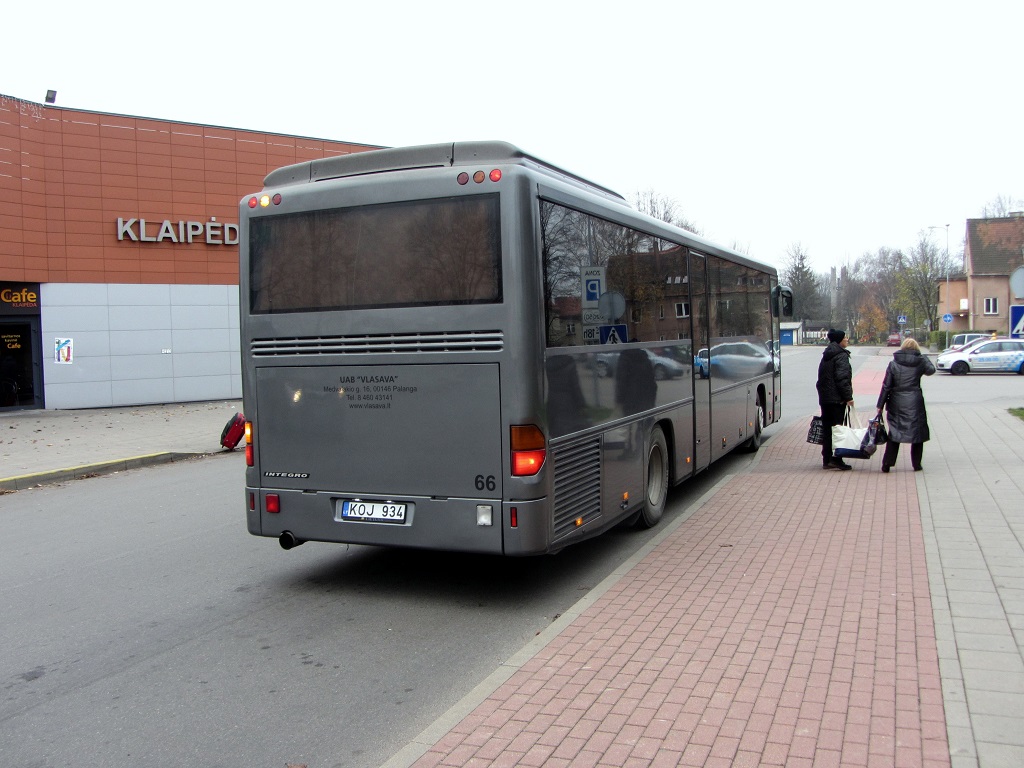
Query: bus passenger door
x,y
702,362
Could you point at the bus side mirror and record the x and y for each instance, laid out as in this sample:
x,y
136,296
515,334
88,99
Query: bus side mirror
x,y
782,301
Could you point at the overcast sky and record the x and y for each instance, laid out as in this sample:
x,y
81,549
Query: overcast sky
x,y
839,127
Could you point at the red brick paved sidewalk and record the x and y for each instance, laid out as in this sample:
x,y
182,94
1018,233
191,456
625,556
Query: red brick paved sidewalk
x,y
787,622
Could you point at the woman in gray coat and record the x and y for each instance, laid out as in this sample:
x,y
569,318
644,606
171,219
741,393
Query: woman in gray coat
x,y
904,403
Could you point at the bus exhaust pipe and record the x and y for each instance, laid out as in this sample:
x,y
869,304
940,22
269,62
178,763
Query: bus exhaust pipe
x,y
288,540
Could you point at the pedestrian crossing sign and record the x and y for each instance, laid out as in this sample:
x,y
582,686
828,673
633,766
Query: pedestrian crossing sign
x,y
614,334
1017,321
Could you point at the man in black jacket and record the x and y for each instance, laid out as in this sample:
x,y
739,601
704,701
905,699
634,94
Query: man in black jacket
x,y
835,392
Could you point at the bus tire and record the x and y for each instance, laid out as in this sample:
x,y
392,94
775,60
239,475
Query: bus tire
x,y
754,442
655,480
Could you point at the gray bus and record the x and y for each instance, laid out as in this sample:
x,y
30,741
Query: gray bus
x,y
462,347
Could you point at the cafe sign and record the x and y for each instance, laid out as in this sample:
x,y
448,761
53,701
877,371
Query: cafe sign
x,y
19,298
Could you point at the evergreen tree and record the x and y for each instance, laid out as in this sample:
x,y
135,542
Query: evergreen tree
x,y
808,302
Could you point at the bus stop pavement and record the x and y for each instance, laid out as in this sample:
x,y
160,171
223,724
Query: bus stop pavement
x,y
47,446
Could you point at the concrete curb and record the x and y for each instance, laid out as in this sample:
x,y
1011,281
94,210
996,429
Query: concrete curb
x,y
21,482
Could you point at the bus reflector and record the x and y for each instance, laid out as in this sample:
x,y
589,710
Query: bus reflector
x,y
514,517
273,503
252,502
529,449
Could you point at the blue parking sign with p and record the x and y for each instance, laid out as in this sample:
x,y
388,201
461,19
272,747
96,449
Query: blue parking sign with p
x,y
593,289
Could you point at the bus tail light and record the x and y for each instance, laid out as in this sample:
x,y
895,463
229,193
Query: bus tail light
x,y
529,449
273,503
249,460
264,201
478,176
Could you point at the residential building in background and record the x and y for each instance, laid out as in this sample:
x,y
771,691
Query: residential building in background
x,y
979,298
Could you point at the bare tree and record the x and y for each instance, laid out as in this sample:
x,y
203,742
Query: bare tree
x,y
925,265
883,274
1001,207
663,208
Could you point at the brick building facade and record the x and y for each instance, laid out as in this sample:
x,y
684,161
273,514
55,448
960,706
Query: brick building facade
x,y
119,254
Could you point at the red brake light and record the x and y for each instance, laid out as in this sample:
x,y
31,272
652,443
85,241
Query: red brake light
x,y
463,178
273,503
496,174
527,463
529,449
253,202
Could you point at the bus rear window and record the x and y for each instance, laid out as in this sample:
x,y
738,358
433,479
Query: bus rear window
x,y
420,253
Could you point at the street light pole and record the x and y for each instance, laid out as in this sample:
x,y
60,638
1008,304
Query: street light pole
x,y
947,312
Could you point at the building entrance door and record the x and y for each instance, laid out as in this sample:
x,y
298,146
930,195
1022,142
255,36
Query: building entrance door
x,y
21,363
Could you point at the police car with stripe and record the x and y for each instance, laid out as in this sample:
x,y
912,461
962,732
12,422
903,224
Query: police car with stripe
x,y
995,355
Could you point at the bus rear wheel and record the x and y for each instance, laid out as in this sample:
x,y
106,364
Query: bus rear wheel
x,y
754,442
655,480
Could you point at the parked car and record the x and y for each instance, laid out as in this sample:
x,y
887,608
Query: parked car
x,y
702,364
961,340
894,340
664,367
970,344
991,355
773,348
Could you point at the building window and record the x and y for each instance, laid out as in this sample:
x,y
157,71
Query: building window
x,y
682,309
992,305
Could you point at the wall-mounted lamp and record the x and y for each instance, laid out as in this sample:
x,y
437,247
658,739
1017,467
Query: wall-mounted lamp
x,y
51,97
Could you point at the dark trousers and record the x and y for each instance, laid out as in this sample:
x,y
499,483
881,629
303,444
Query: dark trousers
x,y
832,414
892,450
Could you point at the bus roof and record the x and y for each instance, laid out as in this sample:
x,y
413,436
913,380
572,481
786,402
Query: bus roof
x,y
426,156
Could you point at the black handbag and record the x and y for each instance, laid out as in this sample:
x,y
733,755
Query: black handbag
x,y
881,437
816,432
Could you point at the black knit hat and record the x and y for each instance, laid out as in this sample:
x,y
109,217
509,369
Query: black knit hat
x,y
836,335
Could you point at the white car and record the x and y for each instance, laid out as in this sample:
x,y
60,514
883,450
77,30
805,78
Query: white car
x,y
993,355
